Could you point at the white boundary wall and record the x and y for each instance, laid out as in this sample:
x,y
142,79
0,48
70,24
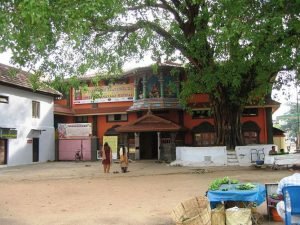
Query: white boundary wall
x,y
217,156
201,156
243,153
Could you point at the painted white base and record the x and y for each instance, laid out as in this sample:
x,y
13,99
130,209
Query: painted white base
x,y
201,156
217,156
243,153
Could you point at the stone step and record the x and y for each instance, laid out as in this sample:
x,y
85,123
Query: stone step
x,y
231,153
232,159
233,164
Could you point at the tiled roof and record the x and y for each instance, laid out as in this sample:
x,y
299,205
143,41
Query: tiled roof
x,y
63,110
10,76
150,122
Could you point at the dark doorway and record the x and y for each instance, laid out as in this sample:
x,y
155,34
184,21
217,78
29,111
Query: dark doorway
x,y
35,149
3,151
148,145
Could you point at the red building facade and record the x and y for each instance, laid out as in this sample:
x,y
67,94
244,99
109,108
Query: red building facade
x,y
142,108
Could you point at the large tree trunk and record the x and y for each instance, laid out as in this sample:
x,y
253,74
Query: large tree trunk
x,y
227,122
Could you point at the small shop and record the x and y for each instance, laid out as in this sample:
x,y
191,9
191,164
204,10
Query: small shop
x,y
229,201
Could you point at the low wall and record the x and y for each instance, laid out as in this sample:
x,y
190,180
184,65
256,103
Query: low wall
x,y
201,156
243,153
286,159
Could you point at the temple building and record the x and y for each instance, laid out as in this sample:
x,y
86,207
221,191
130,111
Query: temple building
x,y
141,109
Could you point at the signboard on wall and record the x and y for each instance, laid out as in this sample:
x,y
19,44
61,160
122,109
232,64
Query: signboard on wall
x,y
71,130
113,143
111,93
7,133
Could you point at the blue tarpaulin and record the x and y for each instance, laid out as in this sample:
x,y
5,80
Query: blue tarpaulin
x,y
257,194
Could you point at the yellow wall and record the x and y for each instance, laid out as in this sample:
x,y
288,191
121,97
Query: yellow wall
x,y
280,142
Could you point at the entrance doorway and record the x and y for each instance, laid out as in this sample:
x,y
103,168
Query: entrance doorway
x,y
3,151
35,149
148,145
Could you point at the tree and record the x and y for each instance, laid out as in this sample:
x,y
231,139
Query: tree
x,y
289,121
232,49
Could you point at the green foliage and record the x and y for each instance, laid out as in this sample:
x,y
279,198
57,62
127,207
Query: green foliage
x,y
231,49
289,120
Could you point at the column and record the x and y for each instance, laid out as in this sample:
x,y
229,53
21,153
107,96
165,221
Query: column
x,y
135,95
145,86
177,88
137,145
173,146
161,85
158,146
269,124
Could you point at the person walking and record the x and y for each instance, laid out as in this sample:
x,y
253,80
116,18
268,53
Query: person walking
x,y
106,157
123,159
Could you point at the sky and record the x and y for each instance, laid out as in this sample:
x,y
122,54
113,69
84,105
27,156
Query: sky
x,y
5,59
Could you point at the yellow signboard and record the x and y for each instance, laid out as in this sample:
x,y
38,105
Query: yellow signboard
x,y
112,93
112,142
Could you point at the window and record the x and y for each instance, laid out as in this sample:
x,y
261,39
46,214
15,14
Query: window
x,y
35,109
250,132
204,134
250,112
204,139
116,117
198,114
250,137
81,119
3,99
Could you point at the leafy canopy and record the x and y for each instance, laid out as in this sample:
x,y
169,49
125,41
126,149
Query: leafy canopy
x,y
231,48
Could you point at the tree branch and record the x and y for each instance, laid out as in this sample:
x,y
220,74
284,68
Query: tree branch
x,y
154,27
164,6
178,6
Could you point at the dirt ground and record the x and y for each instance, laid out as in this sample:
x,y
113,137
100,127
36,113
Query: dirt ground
x,y
70,193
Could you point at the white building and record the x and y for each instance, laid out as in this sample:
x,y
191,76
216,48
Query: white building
x,y
26,119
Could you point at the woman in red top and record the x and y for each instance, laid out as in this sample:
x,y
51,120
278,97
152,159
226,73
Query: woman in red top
x,y
106,157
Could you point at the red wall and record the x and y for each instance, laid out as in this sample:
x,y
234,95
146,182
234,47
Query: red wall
x,y
172,115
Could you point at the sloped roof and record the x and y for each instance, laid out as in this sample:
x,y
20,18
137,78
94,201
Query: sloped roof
x,y
149,123
65,110
278,132
112,131
10,76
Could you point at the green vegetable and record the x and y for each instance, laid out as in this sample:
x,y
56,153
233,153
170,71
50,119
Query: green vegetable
x,y
234,181
247,186
225,180
215,185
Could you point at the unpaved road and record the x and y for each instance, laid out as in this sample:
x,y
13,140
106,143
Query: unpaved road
x,y
69,193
